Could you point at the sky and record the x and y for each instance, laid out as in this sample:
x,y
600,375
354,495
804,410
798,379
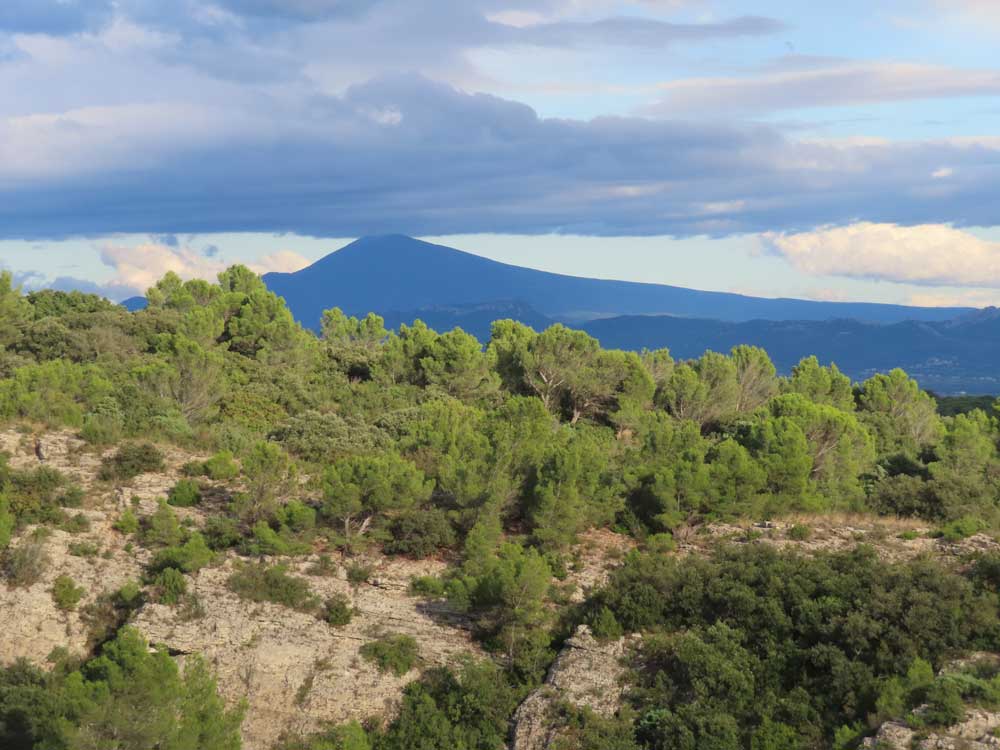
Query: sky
x,y
838,151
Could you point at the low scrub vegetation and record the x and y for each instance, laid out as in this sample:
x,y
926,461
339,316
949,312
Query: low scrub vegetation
x,y
395,653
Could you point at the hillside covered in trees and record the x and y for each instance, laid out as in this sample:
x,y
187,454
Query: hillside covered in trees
x,y
494,460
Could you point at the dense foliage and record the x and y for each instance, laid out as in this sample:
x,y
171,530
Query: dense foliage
x,y
128,697
754,643
496,457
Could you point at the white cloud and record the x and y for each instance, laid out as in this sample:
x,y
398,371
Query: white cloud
x,y
283,261
929,254
138,267
837,84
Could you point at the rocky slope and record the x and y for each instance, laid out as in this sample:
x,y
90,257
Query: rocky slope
x,y
586,674
294,670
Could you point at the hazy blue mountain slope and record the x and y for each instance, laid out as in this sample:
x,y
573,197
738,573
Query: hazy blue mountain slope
x,y
398,273
956,355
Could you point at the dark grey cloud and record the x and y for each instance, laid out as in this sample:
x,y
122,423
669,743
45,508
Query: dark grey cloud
x,y
403,153
56,17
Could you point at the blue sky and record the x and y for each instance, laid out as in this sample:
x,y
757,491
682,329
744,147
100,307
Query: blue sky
x,y
845,150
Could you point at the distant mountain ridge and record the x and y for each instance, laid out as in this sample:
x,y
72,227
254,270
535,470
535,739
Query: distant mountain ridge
x,y
949,356
398,273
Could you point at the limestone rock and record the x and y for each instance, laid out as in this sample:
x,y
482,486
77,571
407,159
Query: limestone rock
x,y
296,671
586,674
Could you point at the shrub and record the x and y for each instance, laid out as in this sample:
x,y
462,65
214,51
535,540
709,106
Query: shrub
x,y
222,532
75,524
185,494
127,523
259,582
420,533
189,557
799,532
338,610
26,563
660,543
395,653
170,585
65,593
944,704
221,467
324,566
162,528
72,496
605,626
266,541
101,429
131,461
7,523
357,573
961,528
431,586
297,516
84,549
909,535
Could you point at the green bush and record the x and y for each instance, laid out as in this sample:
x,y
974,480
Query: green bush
x,y
162,529
25,564
358,573
264,540
420,533
961,528
170,585
75,524
605,626
189,557
65,593
130,461
337,610
7,523
944,704
101,429
127,522
430,586
185,494
799,533
84,549
395,653
222,532
324,567
221,467
259,582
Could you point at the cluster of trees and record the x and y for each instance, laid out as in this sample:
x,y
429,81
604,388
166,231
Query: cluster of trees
x,y
755,648
128,697
423,443
542,433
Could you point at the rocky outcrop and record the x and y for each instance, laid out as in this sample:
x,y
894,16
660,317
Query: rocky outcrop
x,y
296,671
96,561
586,674
975,732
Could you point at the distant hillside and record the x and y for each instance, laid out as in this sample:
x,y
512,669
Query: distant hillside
x,y
134,304
398,273
948,356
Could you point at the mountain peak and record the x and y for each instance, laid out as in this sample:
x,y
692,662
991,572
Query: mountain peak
x,y
393,272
